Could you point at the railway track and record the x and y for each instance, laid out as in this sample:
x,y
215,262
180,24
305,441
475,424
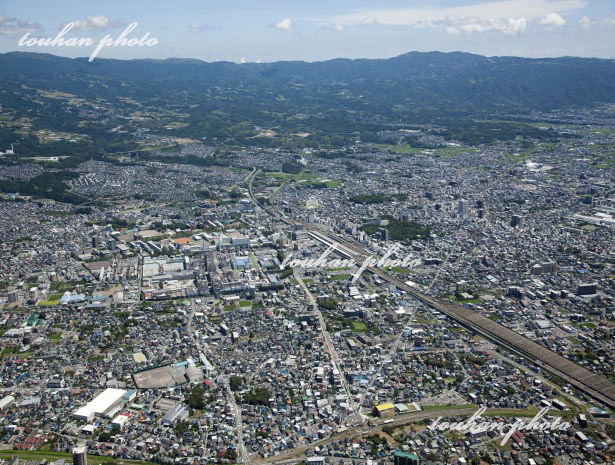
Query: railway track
x,y
596,386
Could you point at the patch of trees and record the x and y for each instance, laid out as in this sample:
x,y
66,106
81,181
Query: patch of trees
x,y
258,396
84,210
369,199
49,185
286,273
196,398
486,132
331,155
353,167
316,185
190,159
204,194
236,382
329,304
292,167
402,231
120,223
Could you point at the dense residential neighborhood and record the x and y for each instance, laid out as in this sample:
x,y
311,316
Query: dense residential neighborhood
x,y
191,314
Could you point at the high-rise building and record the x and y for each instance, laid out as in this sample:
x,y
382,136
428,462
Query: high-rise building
x,y
13,296
80,456
516,221
462,286
548,267
462,207
587,289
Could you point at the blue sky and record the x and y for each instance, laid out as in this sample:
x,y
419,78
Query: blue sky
x,y
241,30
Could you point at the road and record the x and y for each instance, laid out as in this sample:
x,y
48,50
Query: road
x,y
243,455
586,381
298,453
330,347
592,384
242,452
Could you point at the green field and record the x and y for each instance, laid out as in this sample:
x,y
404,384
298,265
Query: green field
x,y
402,148
396,269
463,301
318,183
528,412
587,324
279,175
38,455
63,286
53,299
303,176
436,152
340,277
431,408
358,327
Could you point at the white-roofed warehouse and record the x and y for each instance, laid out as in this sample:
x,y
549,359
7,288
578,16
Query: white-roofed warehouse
x,y
102,403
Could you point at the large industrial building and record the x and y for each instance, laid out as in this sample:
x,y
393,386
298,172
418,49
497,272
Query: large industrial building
x,y
100,405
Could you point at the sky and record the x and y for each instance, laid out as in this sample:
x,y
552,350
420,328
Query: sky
x,y
310,30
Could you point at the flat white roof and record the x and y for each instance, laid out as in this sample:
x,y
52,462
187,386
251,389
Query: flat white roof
x,y
100,403
120,419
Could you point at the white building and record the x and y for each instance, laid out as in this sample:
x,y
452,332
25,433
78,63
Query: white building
x,y
120,421
6,402
100,405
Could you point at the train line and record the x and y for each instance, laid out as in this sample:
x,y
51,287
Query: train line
x,y
596,386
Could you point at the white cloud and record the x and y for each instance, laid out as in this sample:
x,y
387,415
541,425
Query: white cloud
x,y
203,28
284,25
334,27
508,26
552,20
610,20
587,23
96,23
16,27
484,12
368,21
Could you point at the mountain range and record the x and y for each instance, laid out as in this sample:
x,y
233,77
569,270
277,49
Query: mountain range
x,y
456,77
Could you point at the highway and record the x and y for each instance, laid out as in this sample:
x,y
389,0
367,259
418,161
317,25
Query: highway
x,y
596,386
